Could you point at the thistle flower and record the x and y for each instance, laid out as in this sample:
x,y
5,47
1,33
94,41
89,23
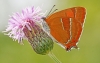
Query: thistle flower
x,y
26,25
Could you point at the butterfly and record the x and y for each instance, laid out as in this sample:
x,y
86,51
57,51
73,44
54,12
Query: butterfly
x,y
66,26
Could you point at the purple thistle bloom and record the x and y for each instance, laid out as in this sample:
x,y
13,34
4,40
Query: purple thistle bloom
x,y
26,25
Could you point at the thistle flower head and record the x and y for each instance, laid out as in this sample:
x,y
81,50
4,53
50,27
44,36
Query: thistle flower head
x,y
25,25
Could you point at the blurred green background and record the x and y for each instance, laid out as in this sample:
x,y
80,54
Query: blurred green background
x,y
89,44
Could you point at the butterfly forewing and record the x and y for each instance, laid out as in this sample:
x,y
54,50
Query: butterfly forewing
x,y
66,26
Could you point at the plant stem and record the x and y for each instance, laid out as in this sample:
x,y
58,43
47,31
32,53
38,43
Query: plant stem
x,y
51,55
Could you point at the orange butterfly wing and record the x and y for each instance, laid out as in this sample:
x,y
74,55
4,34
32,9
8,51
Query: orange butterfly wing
x,y
66,26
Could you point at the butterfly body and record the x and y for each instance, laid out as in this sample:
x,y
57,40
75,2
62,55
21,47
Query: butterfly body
x,y
66,26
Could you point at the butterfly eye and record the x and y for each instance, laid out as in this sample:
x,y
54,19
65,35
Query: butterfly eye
x,y
43,18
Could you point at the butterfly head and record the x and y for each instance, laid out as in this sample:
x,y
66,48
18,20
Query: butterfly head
x,y
44,18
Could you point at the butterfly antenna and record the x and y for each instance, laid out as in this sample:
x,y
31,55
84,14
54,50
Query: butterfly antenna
x,y
51,10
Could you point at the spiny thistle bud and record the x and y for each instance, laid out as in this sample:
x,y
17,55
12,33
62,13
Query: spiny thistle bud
x,y
40,41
